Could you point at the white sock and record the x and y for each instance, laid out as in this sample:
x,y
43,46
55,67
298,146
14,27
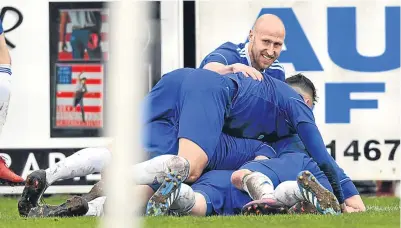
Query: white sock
x,y
5,82
288,193
154,170
185,201
258,186
96,207
84,162
5,92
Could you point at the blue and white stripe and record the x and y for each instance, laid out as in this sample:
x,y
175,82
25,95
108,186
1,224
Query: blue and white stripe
x,y
5,70
276,66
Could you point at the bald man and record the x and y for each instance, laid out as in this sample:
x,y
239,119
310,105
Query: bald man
x,y
260,54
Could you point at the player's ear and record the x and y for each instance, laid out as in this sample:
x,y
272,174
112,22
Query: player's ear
x,y
308,102
250,36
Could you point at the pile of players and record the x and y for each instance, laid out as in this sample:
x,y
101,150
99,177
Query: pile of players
x,y
227,138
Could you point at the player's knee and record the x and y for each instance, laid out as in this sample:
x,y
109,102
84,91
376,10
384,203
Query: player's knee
x,y
194,176
179,166
185,201
237,176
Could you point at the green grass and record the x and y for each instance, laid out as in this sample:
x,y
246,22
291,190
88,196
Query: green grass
x,y
382,212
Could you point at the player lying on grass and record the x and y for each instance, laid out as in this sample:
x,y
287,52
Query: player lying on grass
x,y
7,177
260,54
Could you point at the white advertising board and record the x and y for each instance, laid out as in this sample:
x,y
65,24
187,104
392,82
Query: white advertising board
x,y
351,51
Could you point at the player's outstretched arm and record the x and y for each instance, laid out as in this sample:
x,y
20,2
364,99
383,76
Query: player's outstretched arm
x,y
314,144
353,200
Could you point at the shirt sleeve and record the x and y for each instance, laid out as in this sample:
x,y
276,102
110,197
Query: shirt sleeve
x,y
302,119
315,146
223,56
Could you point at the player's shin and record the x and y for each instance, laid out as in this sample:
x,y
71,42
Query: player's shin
x,y
288,193
159,169
84,162
258,186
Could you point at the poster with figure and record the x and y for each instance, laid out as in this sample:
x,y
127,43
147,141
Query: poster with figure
x,y
79,35
78,62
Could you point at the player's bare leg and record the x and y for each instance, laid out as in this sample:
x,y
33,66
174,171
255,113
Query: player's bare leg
x,y
84,162
186,167
290,194
7,177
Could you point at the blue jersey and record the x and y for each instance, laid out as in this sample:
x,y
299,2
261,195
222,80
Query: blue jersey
x,y
230,53
266,110
269,110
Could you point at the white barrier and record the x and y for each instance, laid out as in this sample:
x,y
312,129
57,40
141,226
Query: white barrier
x,y
351,51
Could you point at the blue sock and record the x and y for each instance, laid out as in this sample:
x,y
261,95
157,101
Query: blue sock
x,y
1,28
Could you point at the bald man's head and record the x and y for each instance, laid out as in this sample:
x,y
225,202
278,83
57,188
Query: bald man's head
x,y
266,40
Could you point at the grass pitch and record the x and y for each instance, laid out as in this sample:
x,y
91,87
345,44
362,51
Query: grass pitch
x,y
382,212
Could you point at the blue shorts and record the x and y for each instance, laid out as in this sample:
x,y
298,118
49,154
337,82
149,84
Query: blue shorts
x,y
286,168
187,103
222,198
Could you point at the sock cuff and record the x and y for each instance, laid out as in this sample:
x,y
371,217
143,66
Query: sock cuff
x,y
262,176
5,68
244,180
